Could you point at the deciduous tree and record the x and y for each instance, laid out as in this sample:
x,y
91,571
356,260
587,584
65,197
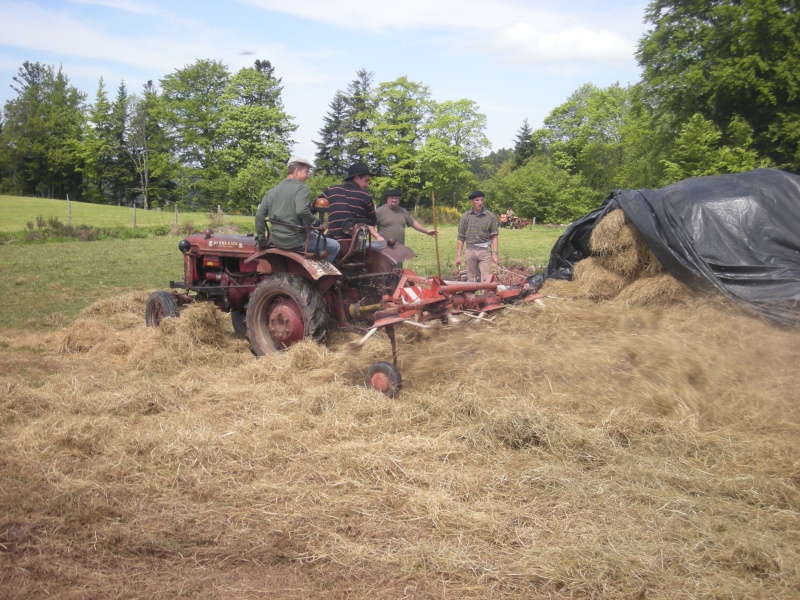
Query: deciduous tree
x,y
726,58
192,112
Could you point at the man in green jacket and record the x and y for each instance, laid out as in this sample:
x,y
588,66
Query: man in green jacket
x,y
288,205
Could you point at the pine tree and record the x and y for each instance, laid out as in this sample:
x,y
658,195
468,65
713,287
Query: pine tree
x,y
360,119
331,157
524,146
121,172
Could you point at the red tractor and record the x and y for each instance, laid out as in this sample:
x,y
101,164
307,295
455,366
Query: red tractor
x,y
278,297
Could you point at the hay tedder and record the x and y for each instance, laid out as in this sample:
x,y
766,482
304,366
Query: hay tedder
x,y
278,297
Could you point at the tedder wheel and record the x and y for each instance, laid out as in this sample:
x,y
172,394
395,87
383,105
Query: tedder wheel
x,y
283,310
160,305
384,377
239,321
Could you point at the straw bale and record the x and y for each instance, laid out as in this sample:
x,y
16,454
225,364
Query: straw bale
x,y
659,290
621,248
595,282
611,233
624,261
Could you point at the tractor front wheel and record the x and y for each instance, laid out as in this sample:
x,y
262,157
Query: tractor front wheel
x,y
283,310
160,305
384,377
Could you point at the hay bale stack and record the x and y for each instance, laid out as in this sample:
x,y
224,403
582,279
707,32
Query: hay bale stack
x,y
622,266
621,248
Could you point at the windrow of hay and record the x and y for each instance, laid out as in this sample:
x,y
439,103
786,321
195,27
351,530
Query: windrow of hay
x,y
563,449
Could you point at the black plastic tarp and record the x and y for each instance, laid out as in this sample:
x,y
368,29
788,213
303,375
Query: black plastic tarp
x,y
739,234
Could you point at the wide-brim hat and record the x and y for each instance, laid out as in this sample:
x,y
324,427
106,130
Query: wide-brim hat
x,y
393,192
358,168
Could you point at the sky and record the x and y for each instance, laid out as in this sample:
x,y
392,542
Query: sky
x,y
516,59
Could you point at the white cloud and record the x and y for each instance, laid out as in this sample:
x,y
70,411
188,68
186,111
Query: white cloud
x,y
522,42
30,27
515,30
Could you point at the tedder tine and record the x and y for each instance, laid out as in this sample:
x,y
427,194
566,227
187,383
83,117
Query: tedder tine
x,y
357,345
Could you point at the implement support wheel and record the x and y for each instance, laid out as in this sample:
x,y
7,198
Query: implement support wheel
x,y
384,377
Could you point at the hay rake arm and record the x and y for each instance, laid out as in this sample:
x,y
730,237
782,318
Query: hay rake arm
x,y
431,303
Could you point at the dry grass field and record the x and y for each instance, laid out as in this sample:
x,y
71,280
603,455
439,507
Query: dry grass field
x,y
638,442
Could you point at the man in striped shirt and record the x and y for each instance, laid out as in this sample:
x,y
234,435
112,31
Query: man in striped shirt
x,y
478,231
351,200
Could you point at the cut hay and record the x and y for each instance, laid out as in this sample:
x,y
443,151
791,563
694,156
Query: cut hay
x,y
122,311
83,335
564,450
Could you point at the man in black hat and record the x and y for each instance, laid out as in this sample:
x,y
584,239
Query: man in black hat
x,y
478,230
351,200
393,219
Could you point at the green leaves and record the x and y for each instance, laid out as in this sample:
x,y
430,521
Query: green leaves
x,y
725,58
409,140
42,130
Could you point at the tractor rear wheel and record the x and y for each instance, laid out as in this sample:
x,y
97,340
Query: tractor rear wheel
x,y
283,310
160,305
239,321
384,377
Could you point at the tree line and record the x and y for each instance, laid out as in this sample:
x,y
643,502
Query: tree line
x,y
719,93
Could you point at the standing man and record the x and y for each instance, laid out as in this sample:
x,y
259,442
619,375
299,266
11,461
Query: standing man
x,y
478,230
351,200
288,206
393,219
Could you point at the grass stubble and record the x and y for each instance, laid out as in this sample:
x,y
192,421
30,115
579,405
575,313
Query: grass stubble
x,y
640,443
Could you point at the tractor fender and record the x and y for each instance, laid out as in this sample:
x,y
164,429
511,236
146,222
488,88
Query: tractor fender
x,y
316,269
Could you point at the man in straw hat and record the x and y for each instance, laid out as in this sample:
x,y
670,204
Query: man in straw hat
x,y
478,231
351,200
288,206
393,219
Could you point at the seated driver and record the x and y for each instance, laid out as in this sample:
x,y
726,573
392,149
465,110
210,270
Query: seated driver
x,y
288,207
351,200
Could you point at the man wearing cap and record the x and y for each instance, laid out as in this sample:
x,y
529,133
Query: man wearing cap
x,y
351,200
478,230
393,219
288,206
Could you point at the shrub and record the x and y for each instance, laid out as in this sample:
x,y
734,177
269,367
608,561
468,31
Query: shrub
x,y
445,215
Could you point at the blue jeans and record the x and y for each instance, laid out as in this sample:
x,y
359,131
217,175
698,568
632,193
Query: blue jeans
x,y
331,246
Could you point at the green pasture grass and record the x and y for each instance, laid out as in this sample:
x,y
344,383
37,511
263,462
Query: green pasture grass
x,y
47,285
16,212
528,248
